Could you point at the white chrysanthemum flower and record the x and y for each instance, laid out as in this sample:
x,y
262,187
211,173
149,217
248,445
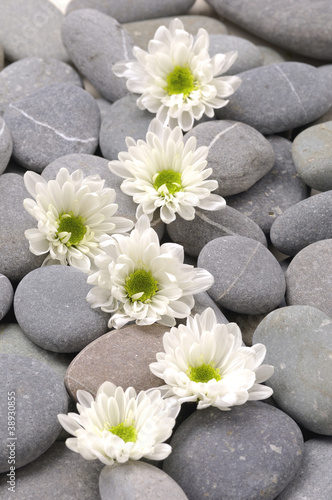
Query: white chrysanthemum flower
x,y
143,281
177,79
205,361
121,425
166,173
73,213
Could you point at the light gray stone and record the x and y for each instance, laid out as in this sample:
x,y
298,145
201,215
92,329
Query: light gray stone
x,y
6,145
270,55
104,107
249,56
6,295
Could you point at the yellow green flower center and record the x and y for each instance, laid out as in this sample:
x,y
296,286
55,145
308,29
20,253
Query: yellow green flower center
x,y
203,373
180,81
141,281
73,225
127,433
169,178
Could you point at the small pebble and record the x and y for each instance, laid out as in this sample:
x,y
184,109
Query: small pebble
x,y
6,145
6,295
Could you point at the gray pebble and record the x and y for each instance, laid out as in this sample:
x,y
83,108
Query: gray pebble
x,y
104,107
2,57
6,295
249,56
6,145
270,55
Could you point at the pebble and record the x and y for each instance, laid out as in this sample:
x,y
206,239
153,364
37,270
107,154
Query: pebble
x,y
94,42
104,107
6,295
54,121
255,442
238,154
309,277
121,356
298,340
138,480
247,277
6,145
274,193
194,234
31,29
58,318
16,260
249,56
39,397
25,77
270,55
278,97
2,57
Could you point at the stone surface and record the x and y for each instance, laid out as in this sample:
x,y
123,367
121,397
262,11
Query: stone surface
x,y
6,145
121,356
202,301
238,154
25,77
249,56
94,42
298,340
250,452
274,193
58,318
6,295
104,107
270,55
54,121
2,57
39,396
138,480
247,277
193,235
278,97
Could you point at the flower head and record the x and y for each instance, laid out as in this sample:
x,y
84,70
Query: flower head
x,y
176,78
121,425
73,213
143,281
166,173
205,361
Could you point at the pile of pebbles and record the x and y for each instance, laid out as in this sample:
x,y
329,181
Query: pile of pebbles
x,y
269,250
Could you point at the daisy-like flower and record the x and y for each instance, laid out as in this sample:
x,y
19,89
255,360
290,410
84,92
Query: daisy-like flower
x,y
143,281
205,361
166,173
73,213
176,78
121,425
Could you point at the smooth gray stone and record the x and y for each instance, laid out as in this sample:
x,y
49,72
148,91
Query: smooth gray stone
x,y
39,395
2,57
58,474
274,193
6,145
247,277
194,234
250,452
127,11
202,302
138,480
309,277
270,55
312,152
238,154
56,120
6,295
104,107
313,479
94,42
278,97
58,318
304,223
303,27
23,78
249,56
16,260
298,340
31,29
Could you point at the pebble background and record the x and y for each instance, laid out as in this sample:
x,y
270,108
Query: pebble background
x,y
269,250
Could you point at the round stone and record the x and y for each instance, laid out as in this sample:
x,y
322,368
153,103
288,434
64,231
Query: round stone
x,y
58,318
249,56
35,393
256,442
6,145
6,295
298,341
247,277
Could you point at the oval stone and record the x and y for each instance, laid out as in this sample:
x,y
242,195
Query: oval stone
x,y
6,295
6,145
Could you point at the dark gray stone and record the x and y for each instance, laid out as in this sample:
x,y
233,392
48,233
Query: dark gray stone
x,y
6,145
247,277
274,193
248,55
39,395
6,295
56,120
238,154
23,78
298,340
95,42
278,97
250,452
58,318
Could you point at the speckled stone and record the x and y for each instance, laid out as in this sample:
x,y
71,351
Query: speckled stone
x,y
248,55
247,277
39,397
6,145
298,340
121,356
6,295
250,452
